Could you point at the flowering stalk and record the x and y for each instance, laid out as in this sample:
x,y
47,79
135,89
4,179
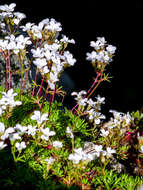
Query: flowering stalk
x,y
33,91
95,81
50,105
9,69
41,88
44,96
53,96
98,83
26,78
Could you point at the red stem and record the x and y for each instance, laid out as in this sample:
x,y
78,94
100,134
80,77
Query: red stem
x,y
95,81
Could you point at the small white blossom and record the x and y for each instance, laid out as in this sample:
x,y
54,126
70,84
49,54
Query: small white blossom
x,y
104,133
98,149
141,149
20,129
111,49
50,160
57,144
8,8
27,27
2,145
40,62
38,117
53,26
2,128
20,146
77,156
69,58
110,151
31,130
69,132
8,99
66,40
14,136
47,133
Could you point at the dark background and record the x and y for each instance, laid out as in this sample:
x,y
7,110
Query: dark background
x,y
120,24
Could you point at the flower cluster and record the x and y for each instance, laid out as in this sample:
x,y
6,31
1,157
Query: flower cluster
x,y
50,61
7,100
8,16
90,152
102,54
44,28
90,107
14,44
119,120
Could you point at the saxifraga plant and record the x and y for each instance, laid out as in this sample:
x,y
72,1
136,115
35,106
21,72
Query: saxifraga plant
x,y
51,147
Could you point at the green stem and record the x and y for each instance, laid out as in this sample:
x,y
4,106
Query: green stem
x,y
50,105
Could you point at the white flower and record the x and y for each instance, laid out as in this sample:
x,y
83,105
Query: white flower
x,y
69,132
110,151
91,56
45,70
7,132
66,40
9,94
97,117
47,133
100,100
50,160
57,144
27,27
8,99
20,128
104,133
69,58
141,149
20,146
98,149
14,136
36,30
2,128
91,103
111,49
31,130
38,53
38,117
77,156
8,8
53,26
2,145
79,95
40,62
19,15
1,111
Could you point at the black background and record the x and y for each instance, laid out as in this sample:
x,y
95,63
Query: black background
x,y
120,24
